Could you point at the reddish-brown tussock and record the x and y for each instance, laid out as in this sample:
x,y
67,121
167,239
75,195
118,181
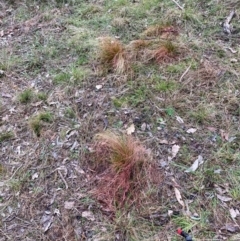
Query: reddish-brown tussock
x,y
163,31
138,44
112,54
166,52
124,169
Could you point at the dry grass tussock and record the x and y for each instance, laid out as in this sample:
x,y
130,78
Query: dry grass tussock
x,y
209,71
165,51
138,44
163,31
124,170
112,54
206,75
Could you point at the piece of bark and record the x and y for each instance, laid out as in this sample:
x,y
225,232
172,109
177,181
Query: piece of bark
x,y
227,28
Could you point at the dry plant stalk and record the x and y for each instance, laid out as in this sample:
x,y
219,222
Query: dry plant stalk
x,y
124,169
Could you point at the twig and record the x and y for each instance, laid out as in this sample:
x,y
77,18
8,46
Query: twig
x,y
178,4
13,174
227,28
61,175
185,72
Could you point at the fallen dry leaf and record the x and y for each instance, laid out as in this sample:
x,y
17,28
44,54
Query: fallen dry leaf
x,y
196,164
175,149
218,171
69,205
232,50
166,142
170,213
88,215
3,94
37,104
233,60
130,129
46,221
220,190
178,196
224,135
5,118
98,87
231,227
79,170
179,119
163,142
143,126
212,129
191,130
234,213
35,176
224,198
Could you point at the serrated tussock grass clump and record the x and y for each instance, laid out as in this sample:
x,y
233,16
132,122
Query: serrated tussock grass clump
x,y
138,44
42,96
166,52
124,168
163,31
112,54
5,136
45,116
36,123
26,96
36,126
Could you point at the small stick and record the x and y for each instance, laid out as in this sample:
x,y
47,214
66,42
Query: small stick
x,y
13,174
185,72
61,175
227,28
178,4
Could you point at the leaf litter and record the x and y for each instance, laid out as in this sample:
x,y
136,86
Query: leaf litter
x,y
199,161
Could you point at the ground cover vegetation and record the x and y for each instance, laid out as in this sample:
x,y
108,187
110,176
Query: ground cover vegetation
x,y
119,120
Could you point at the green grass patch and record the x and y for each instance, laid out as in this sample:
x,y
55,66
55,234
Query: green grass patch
x,y
6,136
42,96
36,123
72,75
46,117
165,85
202,114
61,78
69,113
36,126
26,96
